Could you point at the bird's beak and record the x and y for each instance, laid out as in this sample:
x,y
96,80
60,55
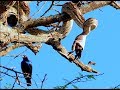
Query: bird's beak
x,y
23,56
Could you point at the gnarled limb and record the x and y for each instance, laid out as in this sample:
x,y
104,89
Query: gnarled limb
x,y
10,48
49,37
37,35
94,5
34,48
62,17
74,12
6,5
63,52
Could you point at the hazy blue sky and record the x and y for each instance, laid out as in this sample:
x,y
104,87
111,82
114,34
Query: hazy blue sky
x,y
102,46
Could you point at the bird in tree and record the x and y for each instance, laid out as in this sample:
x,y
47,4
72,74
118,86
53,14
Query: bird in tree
x,y
91,63
26,67
78,45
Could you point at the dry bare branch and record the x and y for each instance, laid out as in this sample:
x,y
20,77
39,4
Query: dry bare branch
x,y
70,11
42,82
78,79
48,9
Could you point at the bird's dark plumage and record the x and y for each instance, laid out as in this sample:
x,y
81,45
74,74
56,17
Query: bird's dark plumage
x,y
26,67
91,63
78,51
78,45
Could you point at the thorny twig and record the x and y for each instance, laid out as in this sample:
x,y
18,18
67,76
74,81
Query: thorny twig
x,y
48,9
7,74
55,10
16,80
116,87
10,69
38,10
42,82
16,77
78,79
38,2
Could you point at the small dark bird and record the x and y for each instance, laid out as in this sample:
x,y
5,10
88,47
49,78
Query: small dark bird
x,y
26,67
91,63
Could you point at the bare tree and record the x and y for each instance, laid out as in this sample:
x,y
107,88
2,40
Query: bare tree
x,y
18,30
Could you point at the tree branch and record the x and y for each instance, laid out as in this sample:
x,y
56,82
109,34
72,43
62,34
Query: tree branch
x,y
63,16
10,48
93,5
42,82
16,35
63,52
37,36
5,5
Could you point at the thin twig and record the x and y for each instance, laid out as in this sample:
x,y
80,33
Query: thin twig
x,y
117,86
48,9
38,10
14,77
55,10
13,84
35,83
43,81
7,74
77,79
20,54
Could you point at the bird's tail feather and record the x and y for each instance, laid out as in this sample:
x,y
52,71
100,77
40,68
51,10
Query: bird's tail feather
x,y
28,80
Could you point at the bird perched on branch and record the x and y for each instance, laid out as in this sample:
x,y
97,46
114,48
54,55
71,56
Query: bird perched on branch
x,y
78,45
26,67
91,63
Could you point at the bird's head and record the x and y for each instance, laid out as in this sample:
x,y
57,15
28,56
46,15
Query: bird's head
x,y
25,57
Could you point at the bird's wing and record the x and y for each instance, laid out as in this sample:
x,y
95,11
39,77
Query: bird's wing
x,y
23,67
26,68
73,46
30,70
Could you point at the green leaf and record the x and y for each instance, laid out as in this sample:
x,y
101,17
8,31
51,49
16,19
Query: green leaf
x,y
80,75
1,79
60,87
91,77
75,87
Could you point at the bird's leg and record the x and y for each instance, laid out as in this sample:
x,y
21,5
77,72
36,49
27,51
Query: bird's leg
x,y
78,53
76,57
70,52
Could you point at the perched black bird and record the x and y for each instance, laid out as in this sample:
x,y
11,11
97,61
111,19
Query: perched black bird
x,y
26,67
